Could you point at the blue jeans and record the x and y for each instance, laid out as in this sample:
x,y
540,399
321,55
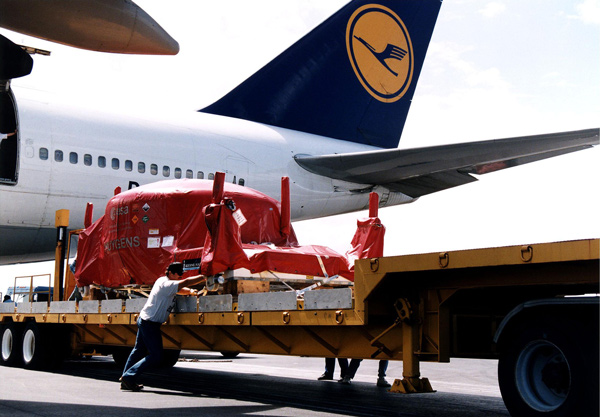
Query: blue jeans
x,y
383,365
354,364
147,350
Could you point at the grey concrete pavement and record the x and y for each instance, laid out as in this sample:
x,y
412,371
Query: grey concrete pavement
x,y
258,385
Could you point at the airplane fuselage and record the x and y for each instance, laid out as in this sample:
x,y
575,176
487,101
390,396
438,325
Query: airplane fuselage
x,y
69,156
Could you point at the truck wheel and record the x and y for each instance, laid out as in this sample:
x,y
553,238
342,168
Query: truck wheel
x,y
120,356
38,348
169,358
547,369
11,344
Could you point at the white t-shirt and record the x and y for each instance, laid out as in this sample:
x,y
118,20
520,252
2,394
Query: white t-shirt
x,y
161,300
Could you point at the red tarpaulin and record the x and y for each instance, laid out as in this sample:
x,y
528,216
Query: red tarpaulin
x,y
226,227
134,241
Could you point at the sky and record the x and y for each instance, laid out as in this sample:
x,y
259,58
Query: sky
x,y
493,70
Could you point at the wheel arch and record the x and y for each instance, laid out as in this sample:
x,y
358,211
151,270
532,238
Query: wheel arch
x,y
585,307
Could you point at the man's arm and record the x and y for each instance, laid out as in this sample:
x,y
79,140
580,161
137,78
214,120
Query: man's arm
x,y
189,282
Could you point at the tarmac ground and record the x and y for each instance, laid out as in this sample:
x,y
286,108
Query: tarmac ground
x,y
207,384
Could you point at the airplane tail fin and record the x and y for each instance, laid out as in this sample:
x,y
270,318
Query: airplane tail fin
x,y
351,78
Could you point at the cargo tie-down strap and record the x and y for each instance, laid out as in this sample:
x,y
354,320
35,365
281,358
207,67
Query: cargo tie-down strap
x,y
317,284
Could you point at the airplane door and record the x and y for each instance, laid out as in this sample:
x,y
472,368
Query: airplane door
x,y
9,137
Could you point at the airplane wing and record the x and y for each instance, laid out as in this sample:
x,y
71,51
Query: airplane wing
x,y
421,171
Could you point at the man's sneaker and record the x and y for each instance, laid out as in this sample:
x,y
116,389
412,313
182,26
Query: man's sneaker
x,y
130,386
381,382
325,377
345,380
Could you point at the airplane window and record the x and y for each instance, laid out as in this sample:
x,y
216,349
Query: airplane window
x,y
177,172
58,156
141,167
101,161
115,163
166,171
211,176
154,169
200,175
128,165
73,157
241,182
189,173
44,154
87,159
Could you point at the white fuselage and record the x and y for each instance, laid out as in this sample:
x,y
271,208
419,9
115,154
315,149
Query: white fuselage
x,y
101,152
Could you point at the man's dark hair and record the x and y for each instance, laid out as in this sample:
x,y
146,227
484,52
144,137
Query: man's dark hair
x,y
176,268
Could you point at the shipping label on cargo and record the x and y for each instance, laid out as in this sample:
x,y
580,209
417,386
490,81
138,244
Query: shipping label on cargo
x,y
190,264
153,242
239,217
168,241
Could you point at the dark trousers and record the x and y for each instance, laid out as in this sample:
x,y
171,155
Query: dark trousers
x,y
350,370
147,350
330,366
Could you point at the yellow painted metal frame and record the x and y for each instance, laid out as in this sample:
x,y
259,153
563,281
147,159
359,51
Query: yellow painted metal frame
x,y
382,322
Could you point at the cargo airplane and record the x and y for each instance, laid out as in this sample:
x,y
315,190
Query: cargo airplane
x,y
328,113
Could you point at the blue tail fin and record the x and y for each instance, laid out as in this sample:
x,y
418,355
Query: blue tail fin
x,y
351,78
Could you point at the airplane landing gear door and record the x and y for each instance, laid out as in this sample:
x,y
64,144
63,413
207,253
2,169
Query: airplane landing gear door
x,y
9,137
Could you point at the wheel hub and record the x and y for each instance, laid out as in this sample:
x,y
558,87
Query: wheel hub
x,y
543,376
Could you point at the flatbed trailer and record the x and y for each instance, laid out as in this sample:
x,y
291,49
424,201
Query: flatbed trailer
x,y
533,307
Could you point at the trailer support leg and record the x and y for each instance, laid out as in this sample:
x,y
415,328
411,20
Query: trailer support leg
x,y
411,381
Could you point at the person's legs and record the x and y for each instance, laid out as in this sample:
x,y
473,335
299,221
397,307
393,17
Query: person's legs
x,y
151,338
343,367
329,370
383,365
138,352
381,381
354,364
352,368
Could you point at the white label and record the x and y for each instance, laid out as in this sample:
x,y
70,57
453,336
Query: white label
x,y
239,217
153,242
167,241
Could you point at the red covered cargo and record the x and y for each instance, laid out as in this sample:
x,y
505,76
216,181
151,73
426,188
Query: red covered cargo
x,y
225,225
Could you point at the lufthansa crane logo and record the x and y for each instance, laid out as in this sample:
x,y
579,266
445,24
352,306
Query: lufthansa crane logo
x,y
380,51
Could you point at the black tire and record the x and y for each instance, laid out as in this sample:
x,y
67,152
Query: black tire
x,y
229,355
549,367
10,351
39,347
120,356
169,358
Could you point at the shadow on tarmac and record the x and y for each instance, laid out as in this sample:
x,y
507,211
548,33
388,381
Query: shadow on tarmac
x,y
22,409
270,393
